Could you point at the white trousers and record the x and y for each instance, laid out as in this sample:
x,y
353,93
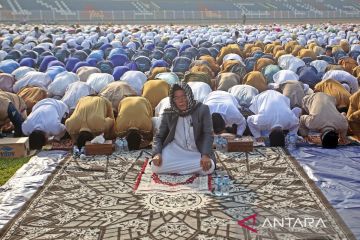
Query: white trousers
x,y
178,160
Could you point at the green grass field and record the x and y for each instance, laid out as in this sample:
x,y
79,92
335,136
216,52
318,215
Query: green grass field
x,y
8,167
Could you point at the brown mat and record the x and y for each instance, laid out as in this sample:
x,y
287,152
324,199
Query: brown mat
x,y
270,198
65,145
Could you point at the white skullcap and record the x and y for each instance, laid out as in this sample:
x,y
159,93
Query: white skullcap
x,y
232,56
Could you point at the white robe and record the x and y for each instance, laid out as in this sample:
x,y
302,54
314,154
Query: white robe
x,y
74,92
244,94
135,79
272,109
200,90
181,155
343,77
46,116
227,105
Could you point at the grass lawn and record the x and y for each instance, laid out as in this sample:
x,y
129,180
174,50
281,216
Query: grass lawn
x,y
8,167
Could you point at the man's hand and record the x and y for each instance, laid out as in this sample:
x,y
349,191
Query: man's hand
x,y
343,140
205,162
157,160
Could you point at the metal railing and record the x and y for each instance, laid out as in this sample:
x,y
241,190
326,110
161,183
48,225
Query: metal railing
x,y
166,16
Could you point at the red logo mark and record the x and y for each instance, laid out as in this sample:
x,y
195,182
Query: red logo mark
x,y
242,223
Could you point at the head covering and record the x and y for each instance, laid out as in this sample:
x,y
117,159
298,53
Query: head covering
x,y
8,66
189,95
45,61
79,65
159,63
85,72
6,82
70,63
92,61
28,62
119,71
118,59
105,67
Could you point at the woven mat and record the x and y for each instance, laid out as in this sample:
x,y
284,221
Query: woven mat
x,y
316,140
268,192
149,182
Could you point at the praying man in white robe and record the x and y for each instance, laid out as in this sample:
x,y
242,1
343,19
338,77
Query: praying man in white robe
x,y
272,111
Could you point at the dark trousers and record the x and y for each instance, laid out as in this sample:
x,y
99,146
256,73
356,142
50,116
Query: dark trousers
x,y
16,119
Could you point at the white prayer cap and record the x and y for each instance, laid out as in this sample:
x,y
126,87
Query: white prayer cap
x,y
177,45
126,40
320,65
17,46
103,39
301,41
86,44
72,42
355,47
157,39
187,42
63,46
6,43
131,45
232,56
79,39
116,44
2,55
25,47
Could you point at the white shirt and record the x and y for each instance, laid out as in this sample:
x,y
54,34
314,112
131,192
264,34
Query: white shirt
x,y
162,105
200,90
74,92
32,78
320,65
343,77
284,75
244,94
98,81
135,79
272,109
227,105
46,116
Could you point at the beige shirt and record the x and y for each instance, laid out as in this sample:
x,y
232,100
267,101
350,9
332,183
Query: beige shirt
x,y
116,91
134,113
5,99
322,115
155,91
93,114
353,114
335,89
294,90
32,95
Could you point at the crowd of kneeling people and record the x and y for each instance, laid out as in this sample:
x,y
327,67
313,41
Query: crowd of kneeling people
x,y
175,95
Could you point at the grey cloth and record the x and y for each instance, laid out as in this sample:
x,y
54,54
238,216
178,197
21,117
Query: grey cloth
x,y
203,132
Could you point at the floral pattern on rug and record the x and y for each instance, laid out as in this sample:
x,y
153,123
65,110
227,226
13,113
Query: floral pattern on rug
x,y
79,202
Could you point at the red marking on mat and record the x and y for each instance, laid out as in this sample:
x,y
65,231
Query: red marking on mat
x,y
190,180
242,222
138,179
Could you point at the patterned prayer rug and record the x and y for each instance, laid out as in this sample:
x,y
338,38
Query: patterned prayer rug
x,y
270,198
149,182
